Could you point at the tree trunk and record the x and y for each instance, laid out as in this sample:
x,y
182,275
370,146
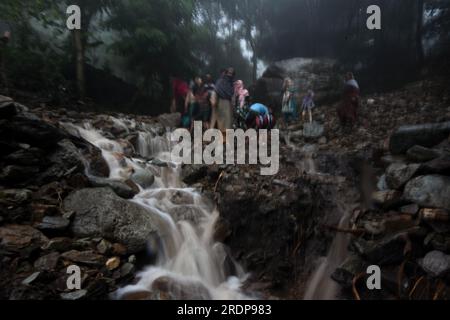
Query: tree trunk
x,y
419,33
3,80
79,63
255,67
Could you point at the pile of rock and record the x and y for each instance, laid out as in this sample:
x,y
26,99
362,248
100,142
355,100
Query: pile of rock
x,y
58,208
407,232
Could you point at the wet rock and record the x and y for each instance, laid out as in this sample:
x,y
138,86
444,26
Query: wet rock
x,y
438,241
387,198
348,270
143,178
422,154
25,157
181,198
104,247
64,161
101,213
17,237
181,213
411,209
119,187
159,163
113,263
32,131
84,257
440,165
429,191
127,270
382,184
53,224
75,295
170,289
60,244
193,173
389,250
397,175
313,130
15,196
13,174
47,262
426,135
7,108
98,166
436,264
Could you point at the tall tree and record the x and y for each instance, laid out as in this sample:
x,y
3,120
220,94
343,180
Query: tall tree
x,y
89,10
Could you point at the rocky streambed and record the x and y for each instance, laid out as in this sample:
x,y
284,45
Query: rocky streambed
x,y
77,189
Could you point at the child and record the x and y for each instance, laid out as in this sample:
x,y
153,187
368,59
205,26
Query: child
x,y
260,117
289,101
240,104
308,105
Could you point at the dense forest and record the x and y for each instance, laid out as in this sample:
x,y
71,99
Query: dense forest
x,y
131,48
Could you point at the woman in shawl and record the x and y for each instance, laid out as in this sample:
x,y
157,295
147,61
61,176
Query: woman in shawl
x,y
240,100
347,110
224,95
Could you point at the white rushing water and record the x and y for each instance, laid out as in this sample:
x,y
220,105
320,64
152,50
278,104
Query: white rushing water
x,y
186,251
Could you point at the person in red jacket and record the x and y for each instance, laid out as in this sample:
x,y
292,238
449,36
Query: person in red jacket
x,y
348,109
180,90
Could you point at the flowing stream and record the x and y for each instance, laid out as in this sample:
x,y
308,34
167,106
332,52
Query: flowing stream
x,y
188,258
321,286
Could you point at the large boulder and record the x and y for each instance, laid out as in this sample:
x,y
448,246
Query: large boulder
x,y
32,131
429,191
65,160
101,213
426,135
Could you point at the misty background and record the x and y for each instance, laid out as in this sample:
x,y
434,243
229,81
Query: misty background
x,y
127,50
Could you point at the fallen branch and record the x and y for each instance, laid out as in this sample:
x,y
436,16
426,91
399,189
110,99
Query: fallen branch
x,y
439,289
218,180
354,282
415,286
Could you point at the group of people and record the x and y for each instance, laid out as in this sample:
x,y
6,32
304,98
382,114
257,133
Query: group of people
x,y
347,110
224,104
289,103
